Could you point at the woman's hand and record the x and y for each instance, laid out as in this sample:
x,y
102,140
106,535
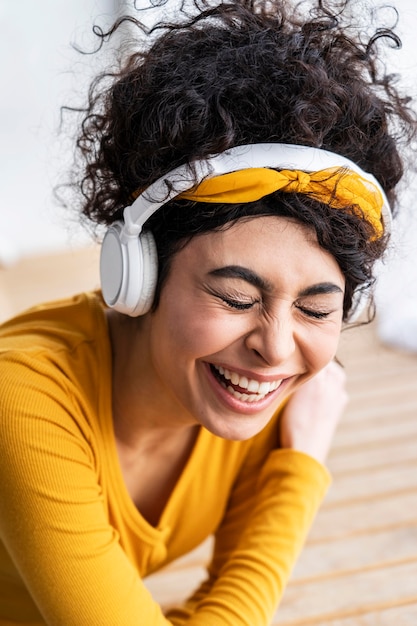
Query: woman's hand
x,y
312,413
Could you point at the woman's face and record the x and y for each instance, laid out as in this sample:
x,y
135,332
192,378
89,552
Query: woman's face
x,y
245,317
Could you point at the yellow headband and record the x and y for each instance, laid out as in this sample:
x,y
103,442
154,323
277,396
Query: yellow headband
x,y
338,187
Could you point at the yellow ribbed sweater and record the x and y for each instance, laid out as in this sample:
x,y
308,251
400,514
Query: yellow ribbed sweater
x,y
74,550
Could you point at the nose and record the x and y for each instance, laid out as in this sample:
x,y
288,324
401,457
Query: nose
x,y
273,339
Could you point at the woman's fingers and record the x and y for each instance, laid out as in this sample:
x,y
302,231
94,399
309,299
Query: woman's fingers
x,y
312,413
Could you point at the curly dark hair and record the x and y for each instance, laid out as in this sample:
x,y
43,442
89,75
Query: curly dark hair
x,y
237,72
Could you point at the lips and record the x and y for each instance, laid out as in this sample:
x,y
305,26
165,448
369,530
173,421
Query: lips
x,y
243,388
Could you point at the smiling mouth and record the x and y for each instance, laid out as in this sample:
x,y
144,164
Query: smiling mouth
x,y
242,388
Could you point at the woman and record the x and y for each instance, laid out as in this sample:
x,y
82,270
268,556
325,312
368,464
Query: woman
x,y
200,396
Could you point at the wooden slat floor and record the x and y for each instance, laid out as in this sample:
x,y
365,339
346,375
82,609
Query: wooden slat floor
x,y
359,567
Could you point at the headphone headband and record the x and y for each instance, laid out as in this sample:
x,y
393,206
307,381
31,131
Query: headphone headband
x,y
129,261
267,155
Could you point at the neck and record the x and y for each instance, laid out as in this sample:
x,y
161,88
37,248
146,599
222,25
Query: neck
x,y
143,414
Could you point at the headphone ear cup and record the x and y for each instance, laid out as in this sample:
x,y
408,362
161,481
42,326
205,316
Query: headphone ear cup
x,y
146,292
128,270
112,265
360,301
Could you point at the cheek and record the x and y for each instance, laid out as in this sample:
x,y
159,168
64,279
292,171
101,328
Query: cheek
x,y
206,334
197,331
320,348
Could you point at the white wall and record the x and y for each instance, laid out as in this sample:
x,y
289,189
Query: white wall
x,y
396,292
36,62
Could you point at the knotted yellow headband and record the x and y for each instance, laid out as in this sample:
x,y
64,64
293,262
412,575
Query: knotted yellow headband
x,y
338,187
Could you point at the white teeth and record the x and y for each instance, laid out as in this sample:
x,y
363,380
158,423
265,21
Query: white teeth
x,y
233,377
265,387
256,390
243,382
254,386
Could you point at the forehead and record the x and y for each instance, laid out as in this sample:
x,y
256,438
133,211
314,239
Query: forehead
x,y
269,245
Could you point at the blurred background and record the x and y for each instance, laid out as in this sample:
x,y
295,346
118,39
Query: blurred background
x,y
41,71
359,567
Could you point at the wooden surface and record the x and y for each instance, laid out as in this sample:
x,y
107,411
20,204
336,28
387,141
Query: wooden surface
x,y
359,567
41,278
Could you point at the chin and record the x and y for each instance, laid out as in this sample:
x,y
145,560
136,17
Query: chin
x,y
237,428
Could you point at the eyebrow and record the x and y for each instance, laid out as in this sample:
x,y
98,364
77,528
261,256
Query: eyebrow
x,y
321,288
237,271
243,273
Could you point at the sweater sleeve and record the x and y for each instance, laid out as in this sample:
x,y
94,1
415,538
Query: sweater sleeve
x,y
258,543
53,518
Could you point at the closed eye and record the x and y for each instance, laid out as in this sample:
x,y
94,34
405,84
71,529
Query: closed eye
x,y
314,313
238,304
233,298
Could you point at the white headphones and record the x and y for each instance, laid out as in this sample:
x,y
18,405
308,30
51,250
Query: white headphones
x,y
129,263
